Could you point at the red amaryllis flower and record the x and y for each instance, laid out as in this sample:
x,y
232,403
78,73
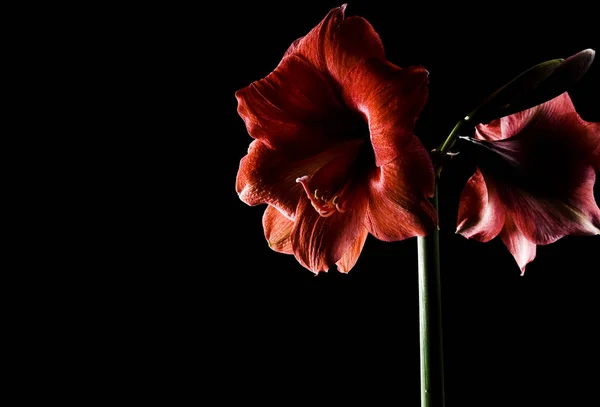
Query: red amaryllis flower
x,y
535,179
334,155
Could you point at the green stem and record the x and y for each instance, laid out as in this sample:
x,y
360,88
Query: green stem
x,y
440,153
447,144
430,319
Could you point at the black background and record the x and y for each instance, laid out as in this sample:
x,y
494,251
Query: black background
x,y
216,308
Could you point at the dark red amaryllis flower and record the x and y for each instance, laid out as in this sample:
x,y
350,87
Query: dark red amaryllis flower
x,y
335,156
535,179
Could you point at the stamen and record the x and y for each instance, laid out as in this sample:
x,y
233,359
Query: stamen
x,y
321,203
340,209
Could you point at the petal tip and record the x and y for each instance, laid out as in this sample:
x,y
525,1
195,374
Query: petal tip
x,y
591,52
317,272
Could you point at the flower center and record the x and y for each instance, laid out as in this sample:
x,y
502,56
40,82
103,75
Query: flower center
x,y
330,188
325,204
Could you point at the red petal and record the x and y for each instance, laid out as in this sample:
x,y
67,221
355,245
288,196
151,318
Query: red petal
x,y
319,242
594,131
505,127
398,191
557,118
266,176
481,214
293,109
336,44
350,258
544,221
522,249
390,99
277,230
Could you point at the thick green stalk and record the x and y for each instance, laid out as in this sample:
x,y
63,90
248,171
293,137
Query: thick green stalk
x,y
430,319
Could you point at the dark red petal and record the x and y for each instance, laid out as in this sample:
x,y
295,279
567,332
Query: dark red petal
x,y
544,221
507,126
293,109
349,259
278,229
481,214
355,41
390,99
522,249
556,117
398,192
267,176
313,45
319,242
336,44
594,131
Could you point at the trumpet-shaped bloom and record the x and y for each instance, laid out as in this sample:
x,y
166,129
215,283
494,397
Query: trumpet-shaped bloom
x,y
335,156
535,179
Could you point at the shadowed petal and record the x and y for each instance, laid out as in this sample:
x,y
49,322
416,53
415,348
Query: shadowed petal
x,y
390,99
505,127
544,221
278,229
265,176
319,242
481,214
293,109
398,192
350,258
556,118
594,130
522,249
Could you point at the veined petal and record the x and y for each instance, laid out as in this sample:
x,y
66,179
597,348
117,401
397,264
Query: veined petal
x,y
398,192
505,127
278,229
337,44
319,242
544,221
390,99
293,109
517,244
349,259
556,118
267,176
312,46
481,214
548,157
